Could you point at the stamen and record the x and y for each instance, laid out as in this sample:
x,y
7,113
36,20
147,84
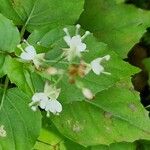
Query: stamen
x,y
48,114
31,104
34,103
57,113
66,31
20,47
107,57
77,29
34,108
25,41
38,43
85,35
107,73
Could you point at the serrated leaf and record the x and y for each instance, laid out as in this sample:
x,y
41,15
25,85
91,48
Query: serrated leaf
x,y
9,35
21,124
119,25
116,117
34,14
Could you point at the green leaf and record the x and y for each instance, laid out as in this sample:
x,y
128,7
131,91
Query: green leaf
x,y
117,24
119,69
116,146
9,35
3,60
33,14
21,124
50,138
115,115
20,74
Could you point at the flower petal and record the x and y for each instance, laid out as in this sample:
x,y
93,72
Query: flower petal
x,y
96,66
54,106
31,50
81,47
43,103
26,56
75,40
51,91
39,97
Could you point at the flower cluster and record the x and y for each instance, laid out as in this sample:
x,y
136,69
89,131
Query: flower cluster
x,y
48,99
76,48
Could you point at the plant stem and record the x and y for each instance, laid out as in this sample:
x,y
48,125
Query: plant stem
x,y
27,21
22,31
4,93
44,142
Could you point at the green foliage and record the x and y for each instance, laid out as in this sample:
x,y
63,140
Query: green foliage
x,y
34,14
9,35
117,146
115,23
87,110
110,117
53,40
22,126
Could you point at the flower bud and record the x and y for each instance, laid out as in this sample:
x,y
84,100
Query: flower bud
x,y
52,71
87,93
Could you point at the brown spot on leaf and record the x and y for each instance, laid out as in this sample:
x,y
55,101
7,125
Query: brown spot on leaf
x,y
77,127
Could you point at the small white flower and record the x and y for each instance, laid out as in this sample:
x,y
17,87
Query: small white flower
x,y
47,100
87,93
97,67
75,43
29,54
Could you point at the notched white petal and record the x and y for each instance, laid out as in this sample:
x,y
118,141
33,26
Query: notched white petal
x,y
54,107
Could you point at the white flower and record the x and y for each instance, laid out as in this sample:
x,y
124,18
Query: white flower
x,y
87,93
29,54
75,43
97,67
47,100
